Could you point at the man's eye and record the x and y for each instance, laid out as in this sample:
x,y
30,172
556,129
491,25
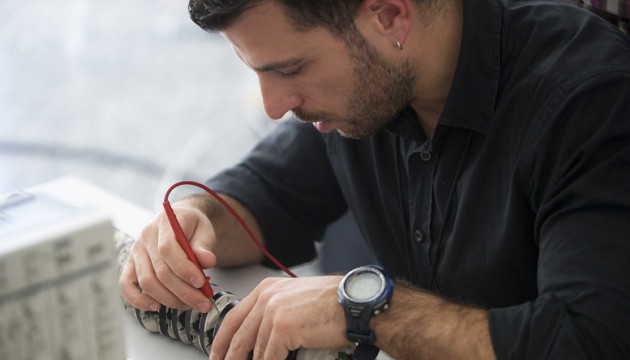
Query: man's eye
x,y
288,74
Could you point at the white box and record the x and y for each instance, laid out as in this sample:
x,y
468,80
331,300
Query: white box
x,y
58,275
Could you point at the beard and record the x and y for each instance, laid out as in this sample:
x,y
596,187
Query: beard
x,y
380,91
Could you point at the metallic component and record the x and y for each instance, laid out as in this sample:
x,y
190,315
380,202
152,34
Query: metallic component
x,y
199,329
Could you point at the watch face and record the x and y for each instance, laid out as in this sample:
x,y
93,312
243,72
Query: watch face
x,y
364,286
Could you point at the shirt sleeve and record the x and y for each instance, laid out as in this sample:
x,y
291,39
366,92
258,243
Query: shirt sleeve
x,y
287,183
579,183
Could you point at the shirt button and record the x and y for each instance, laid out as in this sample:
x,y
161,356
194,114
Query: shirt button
x,y
417,235
425,155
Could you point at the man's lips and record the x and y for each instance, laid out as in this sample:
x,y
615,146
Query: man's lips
x,y
324,126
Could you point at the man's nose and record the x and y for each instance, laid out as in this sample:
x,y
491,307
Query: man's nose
x,y
278,98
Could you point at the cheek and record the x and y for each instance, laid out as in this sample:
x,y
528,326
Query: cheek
x,y
331,89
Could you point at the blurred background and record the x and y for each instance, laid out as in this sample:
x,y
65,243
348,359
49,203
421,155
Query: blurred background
x,y
130,96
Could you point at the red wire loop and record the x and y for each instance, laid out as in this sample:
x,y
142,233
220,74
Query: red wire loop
x,y
181,237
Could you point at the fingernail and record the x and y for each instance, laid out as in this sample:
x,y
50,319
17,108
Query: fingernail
x,y
154,307
204,306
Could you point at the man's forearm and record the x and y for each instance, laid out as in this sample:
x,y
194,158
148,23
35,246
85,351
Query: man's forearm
x,y
233,246
419,325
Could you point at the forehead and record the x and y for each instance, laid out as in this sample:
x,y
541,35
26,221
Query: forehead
x,y
264,34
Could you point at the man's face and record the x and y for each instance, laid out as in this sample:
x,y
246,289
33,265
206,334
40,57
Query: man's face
x,y
319,77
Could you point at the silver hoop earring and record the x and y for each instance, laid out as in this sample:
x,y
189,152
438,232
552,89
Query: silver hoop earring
x,y
399,45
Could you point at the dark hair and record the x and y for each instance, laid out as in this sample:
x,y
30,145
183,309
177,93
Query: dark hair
x,y
336,15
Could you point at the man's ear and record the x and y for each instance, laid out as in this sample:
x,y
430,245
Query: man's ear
x,y
389,18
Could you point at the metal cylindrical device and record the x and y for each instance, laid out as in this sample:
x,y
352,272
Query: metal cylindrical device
x,y
199,329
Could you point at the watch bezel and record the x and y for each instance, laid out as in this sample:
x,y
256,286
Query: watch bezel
x,y
359,272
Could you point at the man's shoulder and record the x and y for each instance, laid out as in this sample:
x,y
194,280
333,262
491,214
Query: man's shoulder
x,y
559,44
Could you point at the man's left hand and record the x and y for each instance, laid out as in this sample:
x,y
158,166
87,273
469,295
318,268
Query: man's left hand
x,y
281,315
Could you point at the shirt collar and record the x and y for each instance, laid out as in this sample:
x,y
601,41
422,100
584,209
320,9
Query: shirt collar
x,y
471,100
406,125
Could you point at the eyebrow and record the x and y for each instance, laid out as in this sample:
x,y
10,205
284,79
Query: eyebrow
x,y
278,65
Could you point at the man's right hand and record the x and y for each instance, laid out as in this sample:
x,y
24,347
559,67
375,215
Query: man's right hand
x,y
158,271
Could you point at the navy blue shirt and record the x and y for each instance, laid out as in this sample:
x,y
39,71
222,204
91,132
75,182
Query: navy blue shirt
x,y
520,201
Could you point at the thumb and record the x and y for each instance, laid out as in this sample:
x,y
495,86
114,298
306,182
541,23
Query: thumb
x,y
206,258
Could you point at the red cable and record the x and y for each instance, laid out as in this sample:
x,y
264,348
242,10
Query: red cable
x,y
183,241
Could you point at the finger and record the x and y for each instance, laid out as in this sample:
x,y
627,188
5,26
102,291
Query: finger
x,y
276,348
206,258
263,336
179,276
157,278
245,337
275,333
174,257
131,292
174,291
149,282
201,242
252,334
229,326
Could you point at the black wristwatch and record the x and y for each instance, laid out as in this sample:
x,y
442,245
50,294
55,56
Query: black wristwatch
x,y
363,293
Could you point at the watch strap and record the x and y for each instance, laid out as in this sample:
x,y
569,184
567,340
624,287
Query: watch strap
x,y
360,338
365,352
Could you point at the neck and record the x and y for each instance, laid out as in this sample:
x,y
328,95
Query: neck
x,y
438,42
